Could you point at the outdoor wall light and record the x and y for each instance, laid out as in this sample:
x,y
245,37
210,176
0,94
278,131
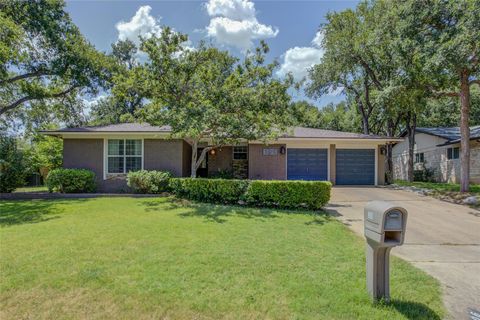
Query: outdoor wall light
x,y
282,150
212,152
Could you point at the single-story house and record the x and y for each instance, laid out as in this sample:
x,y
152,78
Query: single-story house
x,y
303,154
438,149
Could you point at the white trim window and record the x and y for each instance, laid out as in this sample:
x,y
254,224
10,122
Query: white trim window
x,y
240,152
124,155
453,153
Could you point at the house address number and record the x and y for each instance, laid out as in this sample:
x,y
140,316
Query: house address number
x,y
270,152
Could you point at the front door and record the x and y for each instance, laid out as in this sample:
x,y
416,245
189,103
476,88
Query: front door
x,y
202,171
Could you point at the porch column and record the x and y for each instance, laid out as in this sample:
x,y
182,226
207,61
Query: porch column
x,y
332,163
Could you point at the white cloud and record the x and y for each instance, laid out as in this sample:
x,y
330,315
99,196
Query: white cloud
x,y
299,60
145,25
234,22
141,24
238,10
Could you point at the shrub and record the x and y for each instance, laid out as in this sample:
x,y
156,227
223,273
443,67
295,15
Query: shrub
x,y
210,190
289,194
71,180
11,165
424,175
223,174
145,181
281,194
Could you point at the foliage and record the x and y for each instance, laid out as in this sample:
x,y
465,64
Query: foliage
x,y
442,38
127,90
445,111
209,94
218,262
282,194
222,174
440,187
210,190
146,181
44,154
71,181
424,175
11,165
289,194
45,62
340,117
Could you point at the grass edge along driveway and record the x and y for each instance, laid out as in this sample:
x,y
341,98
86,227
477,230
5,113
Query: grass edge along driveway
x,y
165,258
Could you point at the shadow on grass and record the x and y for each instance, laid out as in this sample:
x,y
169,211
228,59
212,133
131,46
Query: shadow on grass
x,y
415,310
219,213
29,211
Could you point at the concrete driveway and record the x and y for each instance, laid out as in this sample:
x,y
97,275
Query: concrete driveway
x,y
442,239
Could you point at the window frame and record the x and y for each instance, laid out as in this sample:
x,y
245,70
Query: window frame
x,y
236,152
106,156
451,153
419,157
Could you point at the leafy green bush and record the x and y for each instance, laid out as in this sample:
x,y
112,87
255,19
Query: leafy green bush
x,y
210,190
281,194
222,174
71,181
146,181
424,175
11,165
289,194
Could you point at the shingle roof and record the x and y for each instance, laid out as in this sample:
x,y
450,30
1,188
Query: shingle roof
x,y
302,132
452,134
120,127
297,132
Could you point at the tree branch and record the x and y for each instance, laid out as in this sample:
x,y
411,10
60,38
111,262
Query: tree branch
x,y
370,72
24,76
4,109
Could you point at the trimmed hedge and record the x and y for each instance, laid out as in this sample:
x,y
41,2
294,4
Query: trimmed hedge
x,y
146,181
280,194
71,181
289,194
209,190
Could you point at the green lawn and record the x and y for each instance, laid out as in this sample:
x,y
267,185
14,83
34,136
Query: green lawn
x,y
440,187
138,258
32,189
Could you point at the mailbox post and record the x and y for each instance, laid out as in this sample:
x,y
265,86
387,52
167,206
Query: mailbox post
x,y
384,228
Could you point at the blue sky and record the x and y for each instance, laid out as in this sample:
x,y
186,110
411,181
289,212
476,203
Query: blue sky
x,y
289,27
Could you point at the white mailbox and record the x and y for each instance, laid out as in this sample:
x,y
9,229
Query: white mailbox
x,y
385,226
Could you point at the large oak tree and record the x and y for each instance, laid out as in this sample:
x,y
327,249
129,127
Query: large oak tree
x,y
210,97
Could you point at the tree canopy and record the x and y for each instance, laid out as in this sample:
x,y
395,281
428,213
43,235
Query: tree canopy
x,y
209,96
45,62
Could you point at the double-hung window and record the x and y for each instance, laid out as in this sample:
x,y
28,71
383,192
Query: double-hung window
x,y
240,153
453,153
124,155
419,157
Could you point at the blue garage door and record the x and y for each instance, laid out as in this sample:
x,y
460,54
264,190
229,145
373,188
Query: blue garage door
x,y
355,166
307,164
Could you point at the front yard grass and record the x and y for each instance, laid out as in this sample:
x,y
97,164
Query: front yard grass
x,y
158,258
439,187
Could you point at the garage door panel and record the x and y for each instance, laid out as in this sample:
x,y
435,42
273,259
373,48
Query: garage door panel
x,y
355,166
307,164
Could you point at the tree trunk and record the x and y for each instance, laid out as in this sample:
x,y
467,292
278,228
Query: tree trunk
x,y
464,132
193,163
411,127
197,160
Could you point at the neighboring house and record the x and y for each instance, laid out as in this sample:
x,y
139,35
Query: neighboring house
x,y
303,154
438,149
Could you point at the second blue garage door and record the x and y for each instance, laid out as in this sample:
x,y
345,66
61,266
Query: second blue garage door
x,y
307,164
355,166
